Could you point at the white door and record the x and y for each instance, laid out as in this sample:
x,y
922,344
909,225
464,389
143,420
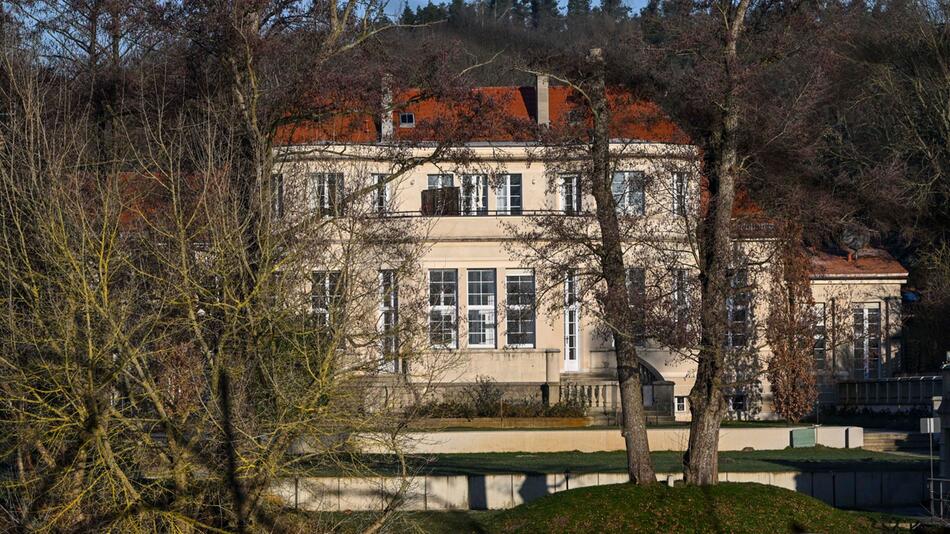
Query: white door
x,y
572,338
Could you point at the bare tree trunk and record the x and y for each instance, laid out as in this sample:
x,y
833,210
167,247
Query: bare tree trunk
x,y
707,404
249,187
619,316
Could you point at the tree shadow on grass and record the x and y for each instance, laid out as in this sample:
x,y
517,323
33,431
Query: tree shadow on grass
x,y
710,508
852,465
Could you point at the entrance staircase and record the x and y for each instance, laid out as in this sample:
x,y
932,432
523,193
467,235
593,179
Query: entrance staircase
x,y
889,441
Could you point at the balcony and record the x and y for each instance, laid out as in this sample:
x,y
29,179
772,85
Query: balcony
x,y
441,202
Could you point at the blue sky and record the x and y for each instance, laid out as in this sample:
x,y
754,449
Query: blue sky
x,y
397,5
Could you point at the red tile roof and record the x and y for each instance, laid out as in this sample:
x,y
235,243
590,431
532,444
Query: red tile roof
x,y
488,114
873,263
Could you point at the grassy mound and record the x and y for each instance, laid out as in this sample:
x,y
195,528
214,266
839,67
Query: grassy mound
x,y
727,507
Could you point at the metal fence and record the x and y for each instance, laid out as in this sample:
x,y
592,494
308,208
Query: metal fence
x,y
939,491
897,391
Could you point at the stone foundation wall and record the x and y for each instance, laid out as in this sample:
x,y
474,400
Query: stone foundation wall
x,y
846,489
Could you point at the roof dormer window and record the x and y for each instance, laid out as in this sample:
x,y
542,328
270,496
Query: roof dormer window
x,y
407,120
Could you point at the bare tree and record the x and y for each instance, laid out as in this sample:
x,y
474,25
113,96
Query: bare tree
x,y
616,299
588,253
186,327
790,331
711,64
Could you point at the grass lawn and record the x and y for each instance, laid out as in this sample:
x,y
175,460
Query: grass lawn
x,y
727,507
810,459
721,508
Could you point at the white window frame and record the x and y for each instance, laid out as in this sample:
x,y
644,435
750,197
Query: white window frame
x,y
381,195
512,309
474,194
483,312
389,320
631,200
865,340
574,205
572,327
444,309
503,196
639,314
330,294
441,181
410,123
821,336
680,193
322,198
680,403
739,299
681,297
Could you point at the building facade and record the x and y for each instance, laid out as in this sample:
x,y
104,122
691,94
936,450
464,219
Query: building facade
x,y
493,309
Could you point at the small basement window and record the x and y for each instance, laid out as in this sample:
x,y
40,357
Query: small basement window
x,y
680,404
407,120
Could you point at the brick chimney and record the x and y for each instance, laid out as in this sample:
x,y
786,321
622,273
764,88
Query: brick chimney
x,y
386,114
544,100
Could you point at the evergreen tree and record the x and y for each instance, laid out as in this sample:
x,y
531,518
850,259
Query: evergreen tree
x,y
543,11
578,8
614,9
457,12
431,13
408,17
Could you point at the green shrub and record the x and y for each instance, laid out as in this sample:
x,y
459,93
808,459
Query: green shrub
x,y
483,401
485,397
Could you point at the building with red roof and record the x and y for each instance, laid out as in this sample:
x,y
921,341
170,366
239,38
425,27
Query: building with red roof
x,y
513,156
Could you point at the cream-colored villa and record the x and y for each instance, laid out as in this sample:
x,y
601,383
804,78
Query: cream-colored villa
x,y
484,298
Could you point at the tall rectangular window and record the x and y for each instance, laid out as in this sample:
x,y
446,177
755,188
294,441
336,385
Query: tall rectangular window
x,y
326,293
867,340
277,195
628,190
381,197
572,334
474,194
389,319
821,342
681,298
508,195
637,294
570,194
440,181
481,308
443,308
679,193
519,309
738,309
326,193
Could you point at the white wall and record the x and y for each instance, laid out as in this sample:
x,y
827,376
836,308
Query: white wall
x,y
661,439
846,489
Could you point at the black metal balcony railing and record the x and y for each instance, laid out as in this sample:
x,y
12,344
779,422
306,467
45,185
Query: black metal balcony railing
x,y
899,391
480,213
439,202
